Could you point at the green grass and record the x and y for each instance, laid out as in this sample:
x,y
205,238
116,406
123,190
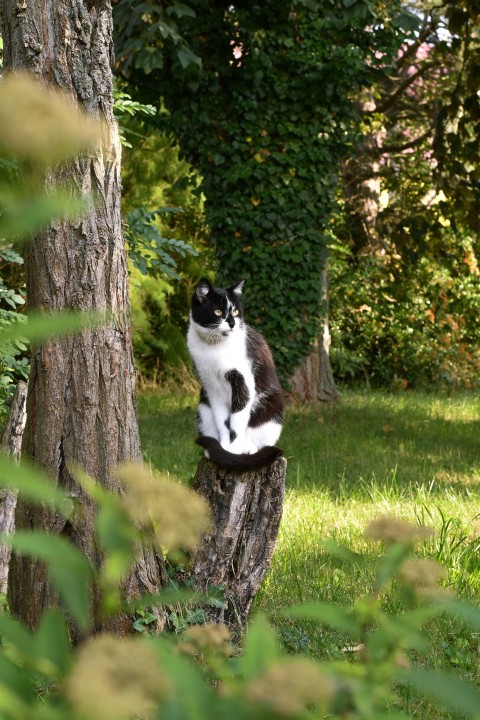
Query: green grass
x,y
411,455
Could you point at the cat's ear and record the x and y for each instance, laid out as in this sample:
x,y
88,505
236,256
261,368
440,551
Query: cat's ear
x,y
237,289
202,289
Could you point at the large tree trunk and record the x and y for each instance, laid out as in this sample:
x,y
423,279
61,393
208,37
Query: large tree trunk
x,y
81,398
313,378
237,552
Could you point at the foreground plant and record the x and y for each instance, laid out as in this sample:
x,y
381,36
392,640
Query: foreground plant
x,y
200,673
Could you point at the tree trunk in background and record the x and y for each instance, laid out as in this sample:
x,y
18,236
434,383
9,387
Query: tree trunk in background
x,y
313,378
361,186
11,444
81,398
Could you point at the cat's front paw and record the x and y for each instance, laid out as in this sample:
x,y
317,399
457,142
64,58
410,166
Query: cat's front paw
x,y
241,446
235,447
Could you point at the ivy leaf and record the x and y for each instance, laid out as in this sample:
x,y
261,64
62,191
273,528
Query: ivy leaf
x,y
186,58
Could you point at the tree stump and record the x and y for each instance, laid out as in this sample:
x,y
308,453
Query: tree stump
x,y
236,554
11,444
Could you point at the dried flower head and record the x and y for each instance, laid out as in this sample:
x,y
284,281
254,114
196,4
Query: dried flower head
x,y
115,678
177,515
290,686
423,574
210,639
41,123
391,530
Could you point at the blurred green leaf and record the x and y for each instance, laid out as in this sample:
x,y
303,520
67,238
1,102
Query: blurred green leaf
x,y
390,562
344,553
15,632
22,214
69,570
116,531
52,643
15,691
32,484
451,691
46,326
329,614
261,648
470,614
191,697
165,598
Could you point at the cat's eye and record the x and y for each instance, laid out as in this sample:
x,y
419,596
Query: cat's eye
x,y
218,313
235,313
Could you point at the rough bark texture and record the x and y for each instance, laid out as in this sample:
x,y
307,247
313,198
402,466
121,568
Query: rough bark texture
x,y
81,399
236,554
362,186
11,444
313,378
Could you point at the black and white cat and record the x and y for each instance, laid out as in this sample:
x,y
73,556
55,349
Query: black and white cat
x,y
240,414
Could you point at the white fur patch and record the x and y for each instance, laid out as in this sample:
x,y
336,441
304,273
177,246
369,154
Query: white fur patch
x,y
214,354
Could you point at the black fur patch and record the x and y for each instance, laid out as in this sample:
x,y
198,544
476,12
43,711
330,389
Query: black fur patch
x,y
231,461
233,434
204,397
266,381
207,299
240,394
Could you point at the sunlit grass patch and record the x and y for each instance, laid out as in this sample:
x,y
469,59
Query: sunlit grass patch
x,y
408,455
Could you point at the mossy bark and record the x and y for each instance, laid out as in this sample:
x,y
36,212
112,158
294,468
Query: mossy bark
x,y
81,397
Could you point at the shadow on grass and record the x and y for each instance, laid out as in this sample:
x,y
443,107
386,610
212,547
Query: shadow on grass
x,y
396,441
369,442
168,432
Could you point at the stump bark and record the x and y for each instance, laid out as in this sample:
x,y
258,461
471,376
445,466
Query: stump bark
x,y
237,552
11,444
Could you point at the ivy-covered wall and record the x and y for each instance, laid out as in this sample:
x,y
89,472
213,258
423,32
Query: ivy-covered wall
x,y
262,100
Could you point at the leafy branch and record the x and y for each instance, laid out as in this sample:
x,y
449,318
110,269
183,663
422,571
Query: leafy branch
x,y
149,251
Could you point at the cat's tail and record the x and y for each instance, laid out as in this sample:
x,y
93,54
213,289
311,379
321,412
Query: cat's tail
x,y
232,461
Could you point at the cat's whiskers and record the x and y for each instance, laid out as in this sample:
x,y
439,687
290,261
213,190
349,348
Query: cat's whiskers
x,y
213,337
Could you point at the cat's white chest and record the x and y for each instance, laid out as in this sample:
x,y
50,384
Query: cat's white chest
x,y
213,361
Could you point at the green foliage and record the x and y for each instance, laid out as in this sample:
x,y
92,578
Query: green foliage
x,y
158,337
14,365
458,122
151,175
404,269
149,251
408,319
259,680
265,119
252,68
124,106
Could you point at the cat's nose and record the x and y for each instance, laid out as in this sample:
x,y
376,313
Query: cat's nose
x,y
231,321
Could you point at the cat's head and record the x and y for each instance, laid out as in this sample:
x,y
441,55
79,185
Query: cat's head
x,y
217,312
